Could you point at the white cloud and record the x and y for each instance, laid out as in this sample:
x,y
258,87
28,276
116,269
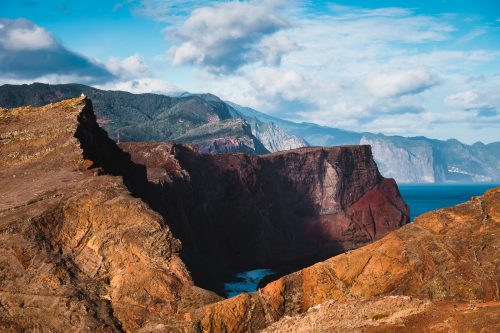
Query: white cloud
x,y
482,105
411,81
466,100
187,53
17,35
28,52
387,69
155,9
273,48
286,84
226,36
132,66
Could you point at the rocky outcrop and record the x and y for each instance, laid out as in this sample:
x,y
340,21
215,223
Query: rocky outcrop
x,y
229,136
448,259
215,126
238,212
273,137
90,237
77,251
409,161
393,314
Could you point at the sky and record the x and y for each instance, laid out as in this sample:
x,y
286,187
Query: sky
x,y
410,68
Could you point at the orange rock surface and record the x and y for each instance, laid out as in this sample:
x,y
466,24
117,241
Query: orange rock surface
x,y
78,252
449,255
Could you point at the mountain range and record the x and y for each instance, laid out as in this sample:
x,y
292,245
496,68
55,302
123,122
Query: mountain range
x,y
215,126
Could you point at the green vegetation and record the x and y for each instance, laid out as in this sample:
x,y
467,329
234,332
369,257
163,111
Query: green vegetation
x,y
379,316
141,117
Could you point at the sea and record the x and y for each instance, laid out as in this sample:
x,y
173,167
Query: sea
x,y
423,198
420,197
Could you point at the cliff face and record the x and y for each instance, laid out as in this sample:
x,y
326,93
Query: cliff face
x,y
215,126
273,137
422,160
238,211
439,273
409,162
229,136
77,251
90,238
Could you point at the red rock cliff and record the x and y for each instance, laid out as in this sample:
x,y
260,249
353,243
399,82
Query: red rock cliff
x,y
235,211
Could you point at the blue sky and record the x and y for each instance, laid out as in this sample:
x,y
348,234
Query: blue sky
x,y
398,67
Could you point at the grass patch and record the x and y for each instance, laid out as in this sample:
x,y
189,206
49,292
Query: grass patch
x,y
379,316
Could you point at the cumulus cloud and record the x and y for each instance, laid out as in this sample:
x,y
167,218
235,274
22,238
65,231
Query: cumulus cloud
x,y
272,48
226,36
482,105
466,100
286,84
386,69
408,82
18,35
132,66
28,51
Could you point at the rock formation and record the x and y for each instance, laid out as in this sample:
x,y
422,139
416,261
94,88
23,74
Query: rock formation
x,y
237,212
406,159
102,238
273,137
203,119
77,251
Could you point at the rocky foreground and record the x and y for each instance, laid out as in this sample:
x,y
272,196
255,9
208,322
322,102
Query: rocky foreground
x,y
90,238
438,274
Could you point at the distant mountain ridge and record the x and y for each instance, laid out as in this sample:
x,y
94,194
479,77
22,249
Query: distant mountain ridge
x,y
215,126
200,120
406,159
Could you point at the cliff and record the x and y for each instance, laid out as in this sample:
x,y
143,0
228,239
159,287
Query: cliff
x,y
284,210
78,252
423,160
406,159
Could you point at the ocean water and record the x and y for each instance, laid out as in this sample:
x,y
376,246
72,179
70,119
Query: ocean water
x,y
420,197
246,281
426,197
